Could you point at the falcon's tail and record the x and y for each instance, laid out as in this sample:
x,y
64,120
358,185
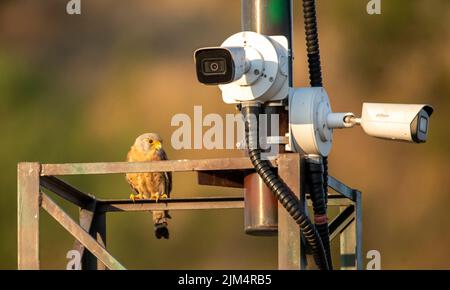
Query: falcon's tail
x,y
160,219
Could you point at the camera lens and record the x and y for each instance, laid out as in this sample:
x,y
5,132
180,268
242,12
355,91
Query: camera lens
x,y
214,66
423,124
419,127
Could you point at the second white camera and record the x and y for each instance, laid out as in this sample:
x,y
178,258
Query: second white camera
x,y
396,121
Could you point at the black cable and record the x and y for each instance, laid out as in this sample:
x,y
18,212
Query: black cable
x,y
325,177
315,181
318,196
312,43
283,193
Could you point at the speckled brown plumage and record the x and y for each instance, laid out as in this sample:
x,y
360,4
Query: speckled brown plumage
x,y
156,186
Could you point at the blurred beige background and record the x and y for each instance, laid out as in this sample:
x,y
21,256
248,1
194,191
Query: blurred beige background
x,y
81,88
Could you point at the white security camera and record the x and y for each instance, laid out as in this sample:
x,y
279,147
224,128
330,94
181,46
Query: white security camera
x,y
311,121
248,67
220,65
396,121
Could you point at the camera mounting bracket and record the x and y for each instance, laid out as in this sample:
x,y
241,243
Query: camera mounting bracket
x,y
267,76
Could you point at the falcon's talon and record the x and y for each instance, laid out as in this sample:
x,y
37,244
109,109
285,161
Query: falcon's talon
x,y
154,196
164,196
133,197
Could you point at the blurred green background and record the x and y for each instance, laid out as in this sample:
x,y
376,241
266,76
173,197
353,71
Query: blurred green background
x,y
81,88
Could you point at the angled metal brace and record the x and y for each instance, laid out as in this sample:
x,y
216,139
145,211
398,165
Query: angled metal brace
x,y
80,234
342,221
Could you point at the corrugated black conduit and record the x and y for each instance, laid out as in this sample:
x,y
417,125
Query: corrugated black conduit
x,y
317,173
283,193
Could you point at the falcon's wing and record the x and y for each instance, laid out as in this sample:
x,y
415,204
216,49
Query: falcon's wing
x,y
168,182
132,178
167,175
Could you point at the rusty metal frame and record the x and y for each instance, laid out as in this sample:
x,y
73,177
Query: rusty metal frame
x,y
90,232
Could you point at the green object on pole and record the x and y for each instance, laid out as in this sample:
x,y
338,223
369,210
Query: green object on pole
x,y
277,11
269,17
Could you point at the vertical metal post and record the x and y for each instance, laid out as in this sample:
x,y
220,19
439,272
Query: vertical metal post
x,y
358,225
351,239
95,223
268,17
348,246
99,232
28,200
291,254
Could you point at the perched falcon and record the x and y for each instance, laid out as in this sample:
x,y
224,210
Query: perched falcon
x,y
155,186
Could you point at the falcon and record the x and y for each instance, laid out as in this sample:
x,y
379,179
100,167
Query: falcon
x,y
154,186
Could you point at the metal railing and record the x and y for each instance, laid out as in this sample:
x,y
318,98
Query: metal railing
x,y
90,231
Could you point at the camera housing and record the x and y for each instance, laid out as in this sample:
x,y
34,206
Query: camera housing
x,y
402,122
247,67
219,65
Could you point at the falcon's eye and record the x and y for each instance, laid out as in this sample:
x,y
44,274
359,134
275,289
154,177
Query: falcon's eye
x,y
150,141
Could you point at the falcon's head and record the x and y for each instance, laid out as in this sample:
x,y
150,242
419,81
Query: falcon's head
x,y
148,141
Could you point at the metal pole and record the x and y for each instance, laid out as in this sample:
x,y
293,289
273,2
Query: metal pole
x,y
268,17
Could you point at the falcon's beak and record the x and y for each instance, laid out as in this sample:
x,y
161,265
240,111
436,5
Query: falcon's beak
x,y
157,145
